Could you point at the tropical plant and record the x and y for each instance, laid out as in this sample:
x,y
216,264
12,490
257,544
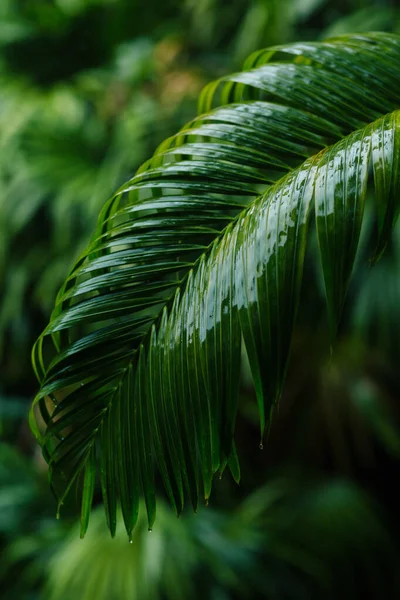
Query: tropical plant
x,y
289,539
292,538
77,124
203,250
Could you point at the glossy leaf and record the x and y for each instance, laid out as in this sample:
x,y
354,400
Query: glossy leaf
x,y
203,248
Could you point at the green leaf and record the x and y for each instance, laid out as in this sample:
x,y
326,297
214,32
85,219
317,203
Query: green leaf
x,y
340,190
203,250
88,491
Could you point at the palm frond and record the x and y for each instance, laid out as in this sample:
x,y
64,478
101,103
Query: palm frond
x,y
205,246
160,565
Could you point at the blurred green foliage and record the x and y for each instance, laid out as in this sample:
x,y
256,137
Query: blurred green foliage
x,y
88,88
292,538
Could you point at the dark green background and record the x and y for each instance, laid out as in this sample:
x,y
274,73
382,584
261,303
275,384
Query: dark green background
x,y
88,89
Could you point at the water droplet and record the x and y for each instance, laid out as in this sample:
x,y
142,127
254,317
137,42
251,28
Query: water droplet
x,y
149,530
130,541
261,446
206,501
